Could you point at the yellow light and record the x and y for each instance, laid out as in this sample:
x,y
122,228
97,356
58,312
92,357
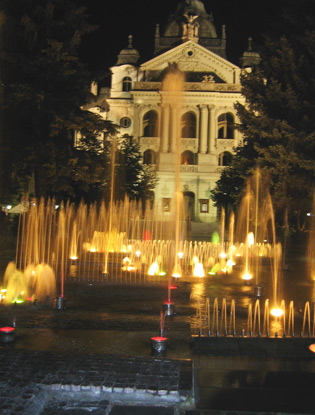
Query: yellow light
x,y
312,347
198,270
129,268
276,312
92,249
246,276
230,263
73,257
176,275
250,239
154,268
223,255
180,255
138,253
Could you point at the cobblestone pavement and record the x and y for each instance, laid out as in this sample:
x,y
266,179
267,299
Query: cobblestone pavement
x,y
46,383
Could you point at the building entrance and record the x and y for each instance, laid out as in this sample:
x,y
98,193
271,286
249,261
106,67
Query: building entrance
x,y
189,203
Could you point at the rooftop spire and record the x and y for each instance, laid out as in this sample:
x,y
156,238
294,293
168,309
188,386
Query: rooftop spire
x,y
130,55
130,42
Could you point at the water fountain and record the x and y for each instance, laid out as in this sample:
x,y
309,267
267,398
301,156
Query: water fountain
x,y
7,334
123,241
159,343
172,87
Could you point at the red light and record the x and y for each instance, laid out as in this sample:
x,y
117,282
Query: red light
x,y
7,329
159,339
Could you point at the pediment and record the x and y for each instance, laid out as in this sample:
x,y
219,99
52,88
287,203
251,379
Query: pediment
x,y
192,57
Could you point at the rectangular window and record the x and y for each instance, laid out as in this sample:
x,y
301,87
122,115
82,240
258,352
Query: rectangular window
x,y
204,205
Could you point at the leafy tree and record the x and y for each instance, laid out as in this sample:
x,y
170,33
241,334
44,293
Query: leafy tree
x,y
45,87
132,177
229,188
277,120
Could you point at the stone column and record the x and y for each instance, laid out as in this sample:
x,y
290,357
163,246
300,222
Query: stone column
x,y
174,129
136,121
212,133
165,128
203,129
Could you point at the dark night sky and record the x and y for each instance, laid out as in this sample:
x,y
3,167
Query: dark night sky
x,y
117,19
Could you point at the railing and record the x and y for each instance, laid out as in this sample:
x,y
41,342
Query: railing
x,y
150,142
188,168
154,143
190,86
225,142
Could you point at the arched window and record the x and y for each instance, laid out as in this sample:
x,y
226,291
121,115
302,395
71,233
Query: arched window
x,y
225,159
150,122
187,158
149,157
127,84
226,126
188,125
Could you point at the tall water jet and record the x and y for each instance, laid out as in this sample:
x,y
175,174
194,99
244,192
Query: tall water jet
x,y
275,257
61,245
173,86
257,177
222,231
111,202
311,245
230,262
243,224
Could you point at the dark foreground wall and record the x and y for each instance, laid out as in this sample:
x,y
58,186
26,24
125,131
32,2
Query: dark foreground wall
x,y
255,347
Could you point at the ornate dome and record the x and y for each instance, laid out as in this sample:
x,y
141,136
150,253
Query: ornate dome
x,y
191,8
129,55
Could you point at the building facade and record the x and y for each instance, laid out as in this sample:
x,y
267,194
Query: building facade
x,y
139,104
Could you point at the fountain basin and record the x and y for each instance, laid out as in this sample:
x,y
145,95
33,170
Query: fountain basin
x,y
275,347
7,334
159,343
258,291
59,303
168,308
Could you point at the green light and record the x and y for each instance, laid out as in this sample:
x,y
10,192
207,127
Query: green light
x,y
215,238
18,301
